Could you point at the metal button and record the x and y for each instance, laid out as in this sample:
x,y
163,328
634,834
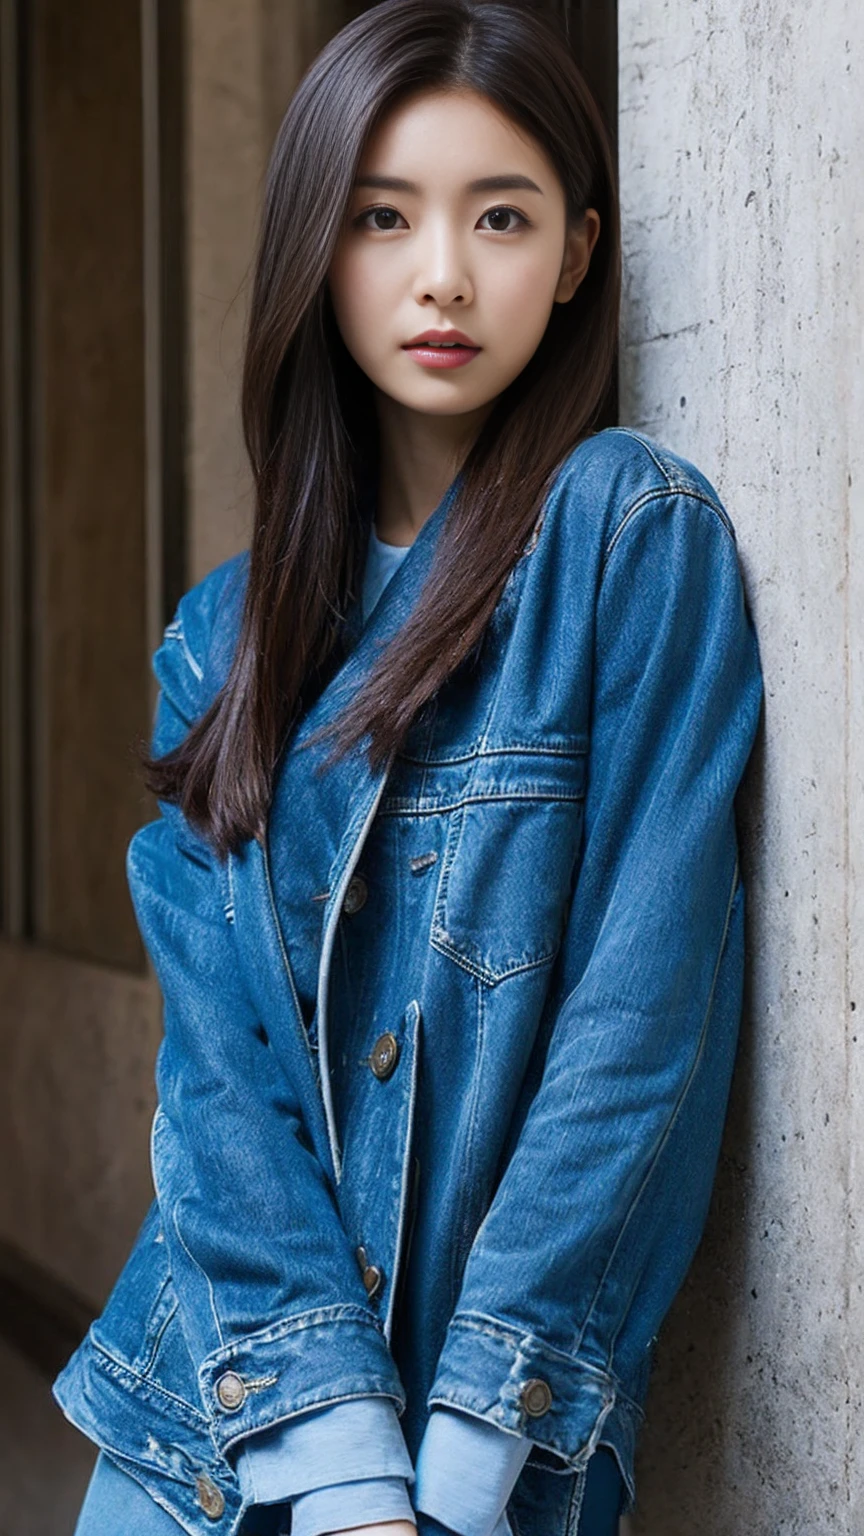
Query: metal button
x,y
210,1497
536,1396
231,1391
373,1275
385,1054
356,894
373,1279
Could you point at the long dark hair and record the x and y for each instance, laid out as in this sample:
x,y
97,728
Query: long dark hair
x,y
308,412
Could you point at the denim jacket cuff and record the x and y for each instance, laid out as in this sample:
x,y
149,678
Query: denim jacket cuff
x,y
311,1360
466,1471
499,1372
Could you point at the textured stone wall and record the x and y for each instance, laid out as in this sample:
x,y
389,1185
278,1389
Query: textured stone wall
x,y
741,131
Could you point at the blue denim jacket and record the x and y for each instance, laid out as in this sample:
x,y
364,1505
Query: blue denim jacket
x,y
446,1060
468,1466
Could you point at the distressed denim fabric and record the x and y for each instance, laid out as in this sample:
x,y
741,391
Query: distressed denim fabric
x,y
446,1057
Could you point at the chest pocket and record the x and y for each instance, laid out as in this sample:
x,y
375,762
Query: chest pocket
x,y
508,861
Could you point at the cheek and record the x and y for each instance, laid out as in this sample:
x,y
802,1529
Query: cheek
x,y
360,300
519,295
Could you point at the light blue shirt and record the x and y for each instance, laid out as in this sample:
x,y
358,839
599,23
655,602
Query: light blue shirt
x,y
382,561
466,1468
464,1476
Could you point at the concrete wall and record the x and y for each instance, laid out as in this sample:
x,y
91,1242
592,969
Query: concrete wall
x,y
741,126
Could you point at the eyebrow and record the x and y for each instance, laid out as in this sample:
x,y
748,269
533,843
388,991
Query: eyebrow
x,y
509,182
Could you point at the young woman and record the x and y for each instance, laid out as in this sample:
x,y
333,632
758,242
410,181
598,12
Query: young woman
x,y
444,896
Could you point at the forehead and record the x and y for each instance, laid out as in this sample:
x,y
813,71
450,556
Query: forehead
x,y
439,135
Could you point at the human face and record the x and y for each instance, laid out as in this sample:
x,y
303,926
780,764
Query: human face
x,y
457,221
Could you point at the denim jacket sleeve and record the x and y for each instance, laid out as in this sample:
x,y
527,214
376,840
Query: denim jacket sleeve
x,y
272,1305
597,1214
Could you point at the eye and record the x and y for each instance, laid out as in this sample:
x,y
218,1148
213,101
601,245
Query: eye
x,y
380,210
504,211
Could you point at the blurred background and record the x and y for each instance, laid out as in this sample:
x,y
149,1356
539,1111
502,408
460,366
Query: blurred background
x,y
134,136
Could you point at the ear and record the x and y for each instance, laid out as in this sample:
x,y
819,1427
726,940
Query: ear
x,y
580,242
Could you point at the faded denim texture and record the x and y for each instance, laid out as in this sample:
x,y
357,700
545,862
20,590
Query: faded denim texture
x,y
553,932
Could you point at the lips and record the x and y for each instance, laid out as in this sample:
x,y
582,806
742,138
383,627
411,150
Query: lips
x,y
444,339
442,349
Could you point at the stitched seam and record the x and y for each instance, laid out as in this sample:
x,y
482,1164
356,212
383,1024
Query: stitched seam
x,y
514,748
229,905
400,805
461,1233
693,492
158,1117
497,1328
558,485
146,1382
407,1169
491,978
699,1054
289,974
574,1507
359,836
638,438
317,1317
667,1131
147,1365
193,1260
194,665
663,495
684,487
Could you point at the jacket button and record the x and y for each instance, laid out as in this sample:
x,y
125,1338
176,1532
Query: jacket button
x,y
231,1391
536,1396
373,1279
210,1497
356,894
385,1054
373,1274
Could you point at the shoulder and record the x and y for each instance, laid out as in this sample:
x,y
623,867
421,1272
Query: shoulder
x,y
620,475
193,658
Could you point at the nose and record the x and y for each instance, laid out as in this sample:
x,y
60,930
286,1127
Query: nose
x,y
442,269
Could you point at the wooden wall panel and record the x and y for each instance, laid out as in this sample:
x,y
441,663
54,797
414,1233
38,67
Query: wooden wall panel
x,y
89,638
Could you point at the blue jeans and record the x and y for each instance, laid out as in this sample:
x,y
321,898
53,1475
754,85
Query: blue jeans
x,y
115,1503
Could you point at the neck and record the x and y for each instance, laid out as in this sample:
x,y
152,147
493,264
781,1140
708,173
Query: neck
x,y
420,455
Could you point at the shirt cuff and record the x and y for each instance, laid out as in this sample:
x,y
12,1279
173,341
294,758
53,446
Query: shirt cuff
x,y
466,1471
343,1505
358,1440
